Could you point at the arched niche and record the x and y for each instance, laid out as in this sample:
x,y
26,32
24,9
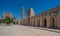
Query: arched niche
x,y
53,21
44,22
14,22
17,22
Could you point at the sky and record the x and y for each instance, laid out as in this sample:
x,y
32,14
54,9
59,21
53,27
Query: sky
x,y
15,6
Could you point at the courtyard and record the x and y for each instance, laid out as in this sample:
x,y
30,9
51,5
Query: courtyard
x,y
19,30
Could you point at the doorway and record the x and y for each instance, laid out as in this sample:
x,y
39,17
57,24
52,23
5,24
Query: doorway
x,y
14,22
38,22
17,22
45,22
53,22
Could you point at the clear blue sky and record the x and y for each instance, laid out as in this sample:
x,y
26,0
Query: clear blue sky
x,y
15,6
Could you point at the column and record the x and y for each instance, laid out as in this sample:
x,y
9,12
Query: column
x,y
41,20
48,20
27,22
32,22
55,21
58,19
35,21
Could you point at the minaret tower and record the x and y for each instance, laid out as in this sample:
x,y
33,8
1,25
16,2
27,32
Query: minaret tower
x,y
22,13
30,12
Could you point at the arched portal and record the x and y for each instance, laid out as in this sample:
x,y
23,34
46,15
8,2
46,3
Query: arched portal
x,y
53,22
14,22
44,22
17,22
38,22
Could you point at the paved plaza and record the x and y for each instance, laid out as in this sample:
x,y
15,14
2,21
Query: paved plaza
x,y
19,30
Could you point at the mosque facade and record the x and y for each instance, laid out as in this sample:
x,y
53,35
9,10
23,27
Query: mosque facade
x,y
9,14
49,18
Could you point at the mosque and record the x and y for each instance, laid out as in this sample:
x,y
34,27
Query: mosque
x,y
49,18
9,14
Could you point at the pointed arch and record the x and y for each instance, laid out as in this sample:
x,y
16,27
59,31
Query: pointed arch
x,y
53,22
44,22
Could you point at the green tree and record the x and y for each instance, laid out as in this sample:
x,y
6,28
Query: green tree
x,y
0,22
7,20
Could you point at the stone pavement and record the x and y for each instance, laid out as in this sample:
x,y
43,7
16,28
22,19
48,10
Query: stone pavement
x,y
18,30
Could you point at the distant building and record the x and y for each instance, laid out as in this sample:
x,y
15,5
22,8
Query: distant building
x,y
49,18
9,14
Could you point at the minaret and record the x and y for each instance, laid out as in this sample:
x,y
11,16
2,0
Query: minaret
x,y
30,13
22,13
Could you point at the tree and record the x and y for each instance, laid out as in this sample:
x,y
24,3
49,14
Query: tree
x,y
0,21
7,20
